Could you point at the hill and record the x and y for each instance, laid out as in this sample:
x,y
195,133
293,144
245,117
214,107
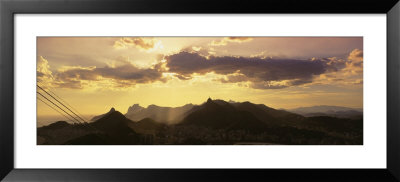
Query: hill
x,y
95,118
112,128
333,111
270,116
213,122
222,115
147,126
167,115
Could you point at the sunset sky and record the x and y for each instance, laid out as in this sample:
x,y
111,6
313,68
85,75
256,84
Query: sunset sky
x,y
94,74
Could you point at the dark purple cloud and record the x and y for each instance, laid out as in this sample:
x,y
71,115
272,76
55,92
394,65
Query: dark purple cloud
x,y
263,72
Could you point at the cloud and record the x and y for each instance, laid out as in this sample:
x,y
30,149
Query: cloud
x,y
253,72
44,75
263,73
72,59
278,84
226,40
126,75
140,43
348,71
43,67
355,64
356,55
238,39
121,75
130,72
202,51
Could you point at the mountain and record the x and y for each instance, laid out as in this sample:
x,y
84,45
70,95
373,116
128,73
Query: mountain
x,y
60,132
56,125
100,116
219,114
212,122
269,115
333,111
147,126
113,123
174,115
168,115
111,128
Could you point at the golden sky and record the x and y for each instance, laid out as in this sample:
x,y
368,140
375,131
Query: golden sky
x,y
94,74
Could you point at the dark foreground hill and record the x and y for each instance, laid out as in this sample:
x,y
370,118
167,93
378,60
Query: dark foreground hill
x,y
332,111
222,115
223,122
112,128
213,122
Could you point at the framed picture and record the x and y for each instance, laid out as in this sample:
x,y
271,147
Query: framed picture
x,y
207,91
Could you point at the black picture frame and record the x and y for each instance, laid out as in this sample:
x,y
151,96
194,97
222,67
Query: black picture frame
x,y
9,8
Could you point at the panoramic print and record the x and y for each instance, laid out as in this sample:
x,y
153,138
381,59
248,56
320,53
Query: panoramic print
x,y
199,91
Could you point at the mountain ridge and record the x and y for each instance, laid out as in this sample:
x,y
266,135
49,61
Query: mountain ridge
x,y
325,110
207,123
167,115
95,118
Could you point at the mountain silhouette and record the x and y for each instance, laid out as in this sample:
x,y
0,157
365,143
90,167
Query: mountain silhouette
x,y
60,132
212,122
56,125
219,114
100,116
113,123
167,115
245,113
112,128
263,113
146,126
174,115
333,111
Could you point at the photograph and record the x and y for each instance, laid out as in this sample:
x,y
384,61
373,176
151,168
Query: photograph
x,y
199,90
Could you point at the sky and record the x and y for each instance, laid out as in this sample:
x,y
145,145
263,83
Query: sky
x,y
93,74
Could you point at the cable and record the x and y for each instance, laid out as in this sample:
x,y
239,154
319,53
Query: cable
x,y
72,108
59,107
84,122
61,103
68,119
